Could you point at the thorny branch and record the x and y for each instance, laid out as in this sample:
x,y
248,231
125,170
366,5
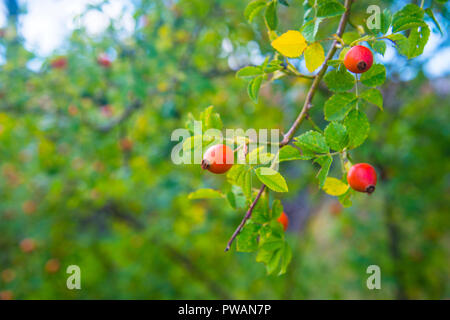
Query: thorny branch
x,y
303,113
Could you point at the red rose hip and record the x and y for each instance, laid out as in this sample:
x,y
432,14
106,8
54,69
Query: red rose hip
x,y
358,59
362,177
284,220
218,159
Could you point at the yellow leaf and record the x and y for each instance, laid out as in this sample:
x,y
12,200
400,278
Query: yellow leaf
x,y
314,56
334,187
290,44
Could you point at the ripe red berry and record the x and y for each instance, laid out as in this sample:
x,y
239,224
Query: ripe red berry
x,y
218,159
104,60
59,63
362,177
358,59
284,220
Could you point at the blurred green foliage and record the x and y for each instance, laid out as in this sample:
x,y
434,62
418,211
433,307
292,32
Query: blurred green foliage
x,y
86,174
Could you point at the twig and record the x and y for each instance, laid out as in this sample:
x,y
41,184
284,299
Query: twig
x,y
306,106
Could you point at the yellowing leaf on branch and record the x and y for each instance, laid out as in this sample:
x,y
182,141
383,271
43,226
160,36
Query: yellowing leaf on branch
x,y
290,44
335,187
314,56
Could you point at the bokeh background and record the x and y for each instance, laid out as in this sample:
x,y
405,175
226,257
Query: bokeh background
x,y
86,176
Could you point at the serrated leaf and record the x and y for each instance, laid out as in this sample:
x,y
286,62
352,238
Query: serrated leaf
x,y
386,18
334,187
334,63
312,142
277,209
290,44
253,8
233,175
336,136
314,56
205,194
236,197
430,14
310,28
289,153
258,156
418,38
338,105
409,16
350,36
249,71
330,8
272,179
253,88
196,142
325,164
401,43
286,257
339,80
358,127
373,96
271,15
375,76
379,46
247,240
210,119
345,199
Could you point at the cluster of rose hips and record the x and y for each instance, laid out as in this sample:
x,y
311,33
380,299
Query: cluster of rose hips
x,y
361,177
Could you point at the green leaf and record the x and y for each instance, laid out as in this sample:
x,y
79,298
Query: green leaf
x,y
234,174
236,197
338,105
336,136
312,142
386,18
258,156
253,88
271,15
409,16
345,199
249,71
379,46
273,66
272,179
417,40
430,13
350,36
205,194
247,240
314,56
373,96
334,63
325,164
253,8
196,142
339,80
210,119
270,253
330,8
286,257
277,209
289,153
284,3
358,127
335,187
375,76
401,42
310,28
